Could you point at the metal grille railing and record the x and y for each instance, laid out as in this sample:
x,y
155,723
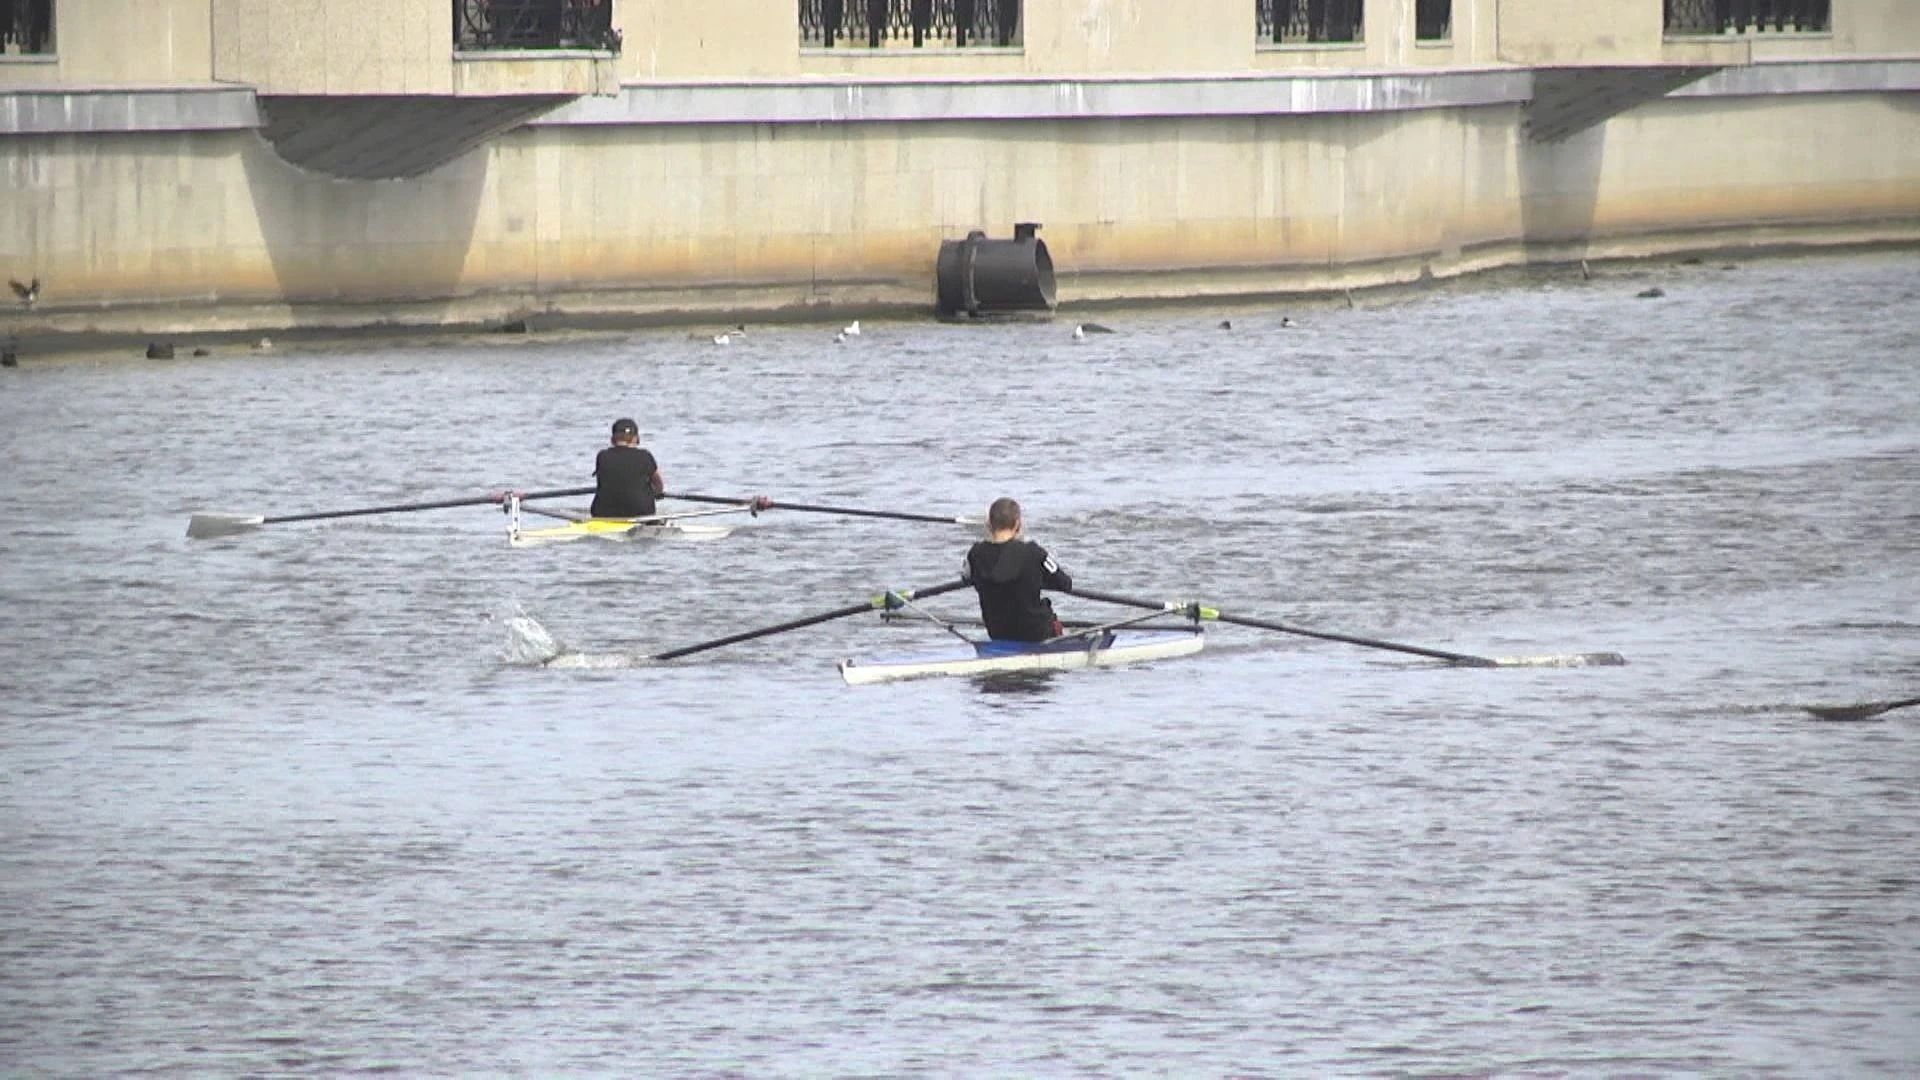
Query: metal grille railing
x,y
1744,16
915,24
26,26
1295,21
1432,20
479,25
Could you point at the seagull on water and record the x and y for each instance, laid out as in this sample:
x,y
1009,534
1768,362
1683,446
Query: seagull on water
x,y
853,329
1286,321
28,293
737,330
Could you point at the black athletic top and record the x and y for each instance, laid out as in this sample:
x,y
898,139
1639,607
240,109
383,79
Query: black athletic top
x,y
1009,576
625,482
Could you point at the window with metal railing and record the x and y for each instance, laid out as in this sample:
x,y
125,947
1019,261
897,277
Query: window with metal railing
x,y
1432,20
1293,22
1748,16
26,27
482,25
909,24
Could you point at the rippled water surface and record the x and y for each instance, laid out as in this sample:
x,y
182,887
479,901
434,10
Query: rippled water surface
x,y
293,801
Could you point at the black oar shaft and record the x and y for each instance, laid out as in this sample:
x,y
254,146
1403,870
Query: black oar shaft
x,y
852,511
749,635
441,504
717,499
1266,624
878,602
813,508
1371,643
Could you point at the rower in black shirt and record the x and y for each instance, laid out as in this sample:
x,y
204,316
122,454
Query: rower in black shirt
x,y
1008,571
626,476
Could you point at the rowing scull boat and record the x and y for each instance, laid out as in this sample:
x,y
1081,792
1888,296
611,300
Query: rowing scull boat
x,y
657,527
616,529
1109,648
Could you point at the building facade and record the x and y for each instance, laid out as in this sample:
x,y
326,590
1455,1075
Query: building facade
x,y
232,164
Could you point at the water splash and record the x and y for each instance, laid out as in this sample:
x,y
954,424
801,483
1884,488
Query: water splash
x,y
529,644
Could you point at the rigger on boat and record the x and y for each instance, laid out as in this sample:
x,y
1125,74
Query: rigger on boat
x,y
653,527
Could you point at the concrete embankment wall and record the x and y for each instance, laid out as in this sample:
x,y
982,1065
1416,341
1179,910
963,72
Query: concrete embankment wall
x,y
596,217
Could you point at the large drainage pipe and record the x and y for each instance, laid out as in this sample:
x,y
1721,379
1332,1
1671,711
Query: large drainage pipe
x,y
978,277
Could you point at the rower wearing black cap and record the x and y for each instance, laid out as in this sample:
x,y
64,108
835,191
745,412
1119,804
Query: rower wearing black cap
x,y
626,476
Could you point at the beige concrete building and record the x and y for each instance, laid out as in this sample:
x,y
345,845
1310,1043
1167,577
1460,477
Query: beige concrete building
x,y
201,164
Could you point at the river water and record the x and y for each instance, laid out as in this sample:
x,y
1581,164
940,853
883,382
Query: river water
x,y
299,801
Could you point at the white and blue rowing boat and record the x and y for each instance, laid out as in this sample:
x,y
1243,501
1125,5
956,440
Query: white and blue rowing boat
x,y
1108,648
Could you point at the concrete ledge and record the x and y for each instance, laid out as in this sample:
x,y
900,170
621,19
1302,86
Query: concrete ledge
x,y
849,100
1809,77
842,100
824,100
77,112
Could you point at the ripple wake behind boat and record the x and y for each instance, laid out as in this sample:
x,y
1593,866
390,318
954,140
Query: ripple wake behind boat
x,y
574,661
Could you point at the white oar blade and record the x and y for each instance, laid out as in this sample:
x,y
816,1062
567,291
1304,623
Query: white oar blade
x,y
1591,659
207,526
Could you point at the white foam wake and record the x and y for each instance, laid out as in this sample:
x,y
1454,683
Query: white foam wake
x,y
578,660
1600,659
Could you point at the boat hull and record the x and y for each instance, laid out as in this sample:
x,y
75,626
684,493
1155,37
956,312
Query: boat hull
x,y
1111,649
616,530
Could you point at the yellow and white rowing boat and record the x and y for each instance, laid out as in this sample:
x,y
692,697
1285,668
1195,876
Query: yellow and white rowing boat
x,y
656,527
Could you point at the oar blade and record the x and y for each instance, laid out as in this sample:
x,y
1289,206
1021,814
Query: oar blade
x,y
208,526
1866,711
1844,713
